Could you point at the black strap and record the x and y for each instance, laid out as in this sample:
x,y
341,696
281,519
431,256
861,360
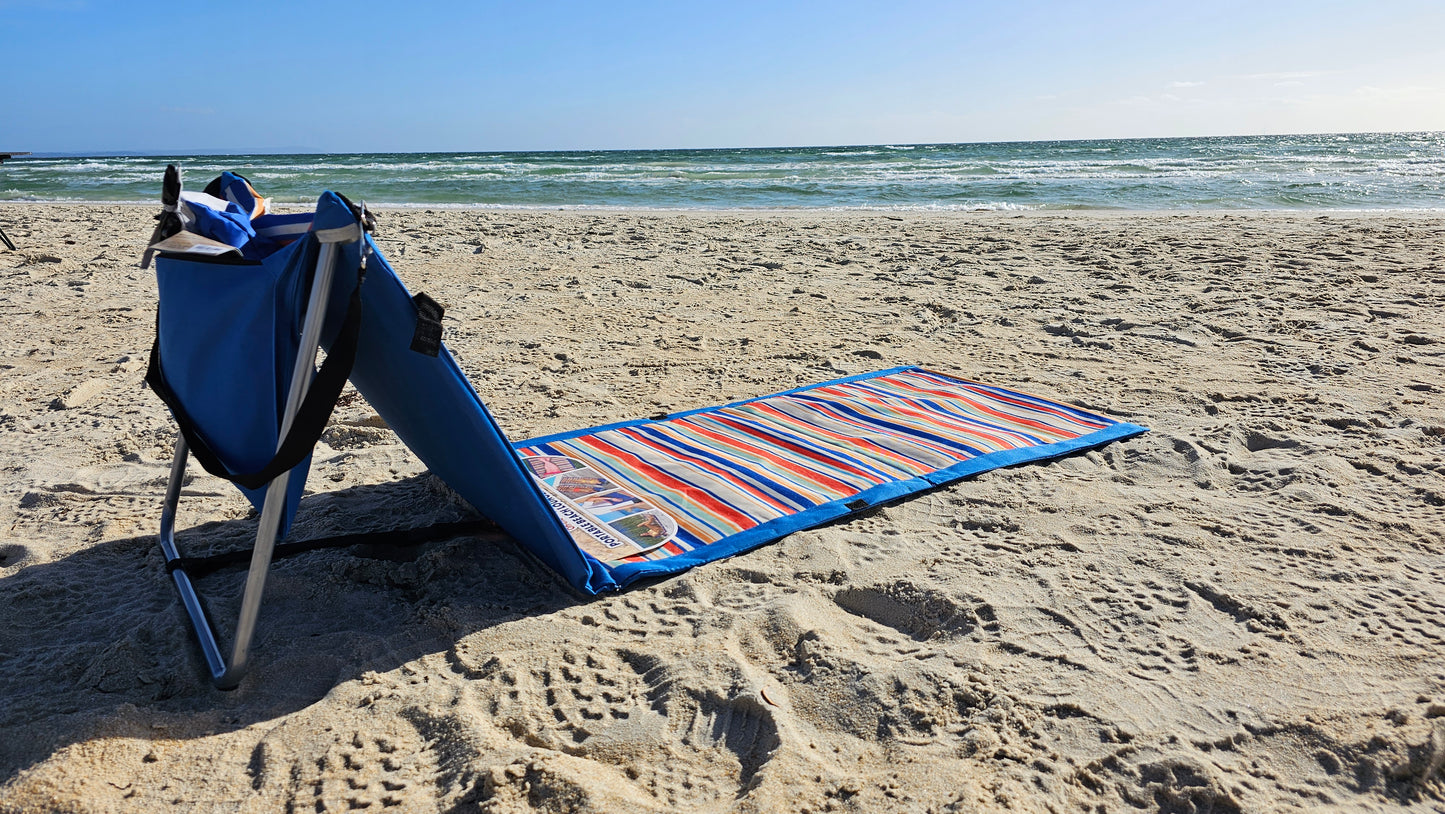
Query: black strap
x,y
310,419
399,538
426,338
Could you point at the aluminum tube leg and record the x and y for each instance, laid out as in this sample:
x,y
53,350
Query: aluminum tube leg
x,y
271,509
173,499
6,239
205,634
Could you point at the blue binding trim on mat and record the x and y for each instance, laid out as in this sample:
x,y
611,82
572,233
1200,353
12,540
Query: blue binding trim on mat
x,y
833,510
824,512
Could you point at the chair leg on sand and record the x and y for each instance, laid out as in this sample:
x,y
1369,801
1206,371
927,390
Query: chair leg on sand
x,y
227,676
4,238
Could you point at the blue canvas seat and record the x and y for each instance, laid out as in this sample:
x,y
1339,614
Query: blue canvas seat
x,y
603,507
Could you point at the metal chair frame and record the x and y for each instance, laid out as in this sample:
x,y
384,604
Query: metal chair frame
x,y
227,675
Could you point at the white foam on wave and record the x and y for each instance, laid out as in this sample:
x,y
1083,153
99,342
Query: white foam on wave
x,y
15,196
971,206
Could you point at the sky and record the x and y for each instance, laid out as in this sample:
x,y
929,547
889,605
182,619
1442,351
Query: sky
x,y
98,77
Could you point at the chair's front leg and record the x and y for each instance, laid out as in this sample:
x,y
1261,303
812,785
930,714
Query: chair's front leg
x,y
205,634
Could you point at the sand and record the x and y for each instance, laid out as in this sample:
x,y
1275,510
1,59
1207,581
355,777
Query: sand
x,y
1243,610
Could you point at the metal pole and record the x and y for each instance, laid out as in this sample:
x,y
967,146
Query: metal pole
x,y
210,648
271,509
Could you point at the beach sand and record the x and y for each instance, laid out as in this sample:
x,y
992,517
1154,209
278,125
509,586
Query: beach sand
x,y
1242,610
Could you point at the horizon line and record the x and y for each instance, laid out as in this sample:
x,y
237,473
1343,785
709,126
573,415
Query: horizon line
x,y
306,151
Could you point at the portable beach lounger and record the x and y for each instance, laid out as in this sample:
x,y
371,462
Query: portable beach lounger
x,y
234,359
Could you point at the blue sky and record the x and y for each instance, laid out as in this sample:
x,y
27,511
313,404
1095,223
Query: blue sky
x,y
363,76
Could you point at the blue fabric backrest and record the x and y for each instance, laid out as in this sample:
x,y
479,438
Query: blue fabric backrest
x,y
432,407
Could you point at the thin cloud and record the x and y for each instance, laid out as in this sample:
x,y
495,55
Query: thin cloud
x,y
1185,84
1280,76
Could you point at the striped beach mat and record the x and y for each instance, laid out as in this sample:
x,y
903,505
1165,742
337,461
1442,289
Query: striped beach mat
x,y
658,496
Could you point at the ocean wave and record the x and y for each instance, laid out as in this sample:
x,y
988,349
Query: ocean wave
x,y
1312,171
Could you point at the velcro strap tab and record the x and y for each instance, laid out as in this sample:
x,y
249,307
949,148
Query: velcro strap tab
x,y
426,339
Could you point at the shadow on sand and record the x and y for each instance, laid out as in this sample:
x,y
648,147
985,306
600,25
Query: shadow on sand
x,y
97,643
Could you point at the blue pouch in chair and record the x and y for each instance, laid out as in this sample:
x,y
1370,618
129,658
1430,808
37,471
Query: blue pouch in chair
x,y
227,335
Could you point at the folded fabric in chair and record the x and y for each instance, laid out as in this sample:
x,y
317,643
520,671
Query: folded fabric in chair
x,y
610,505
271,231
221,221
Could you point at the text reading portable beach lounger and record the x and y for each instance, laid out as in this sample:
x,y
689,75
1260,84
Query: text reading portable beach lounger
x,y
605,506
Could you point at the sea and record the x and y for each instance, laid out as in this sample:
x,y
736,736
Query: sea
x,y
1348,171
